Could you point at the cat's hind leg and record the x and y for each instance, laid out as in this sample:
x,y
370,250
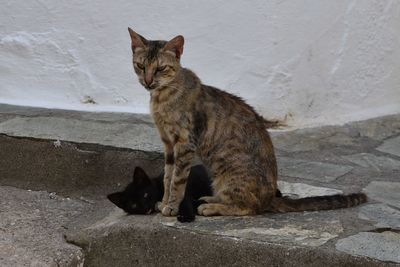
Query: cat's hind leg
x,y
223,204
233,198
211,199
214,209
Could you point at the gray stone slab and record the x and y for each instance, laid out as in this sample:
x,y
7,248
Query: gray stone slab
x,y
371,161
138,136
386,192
383,215
303,140
319,171
382,246
311,229
288,233
31,229
378,128
391,146
300,190
294,141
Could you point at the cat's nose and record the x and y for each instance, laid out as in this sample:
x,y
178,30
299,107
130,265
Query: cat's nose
x,y
148,79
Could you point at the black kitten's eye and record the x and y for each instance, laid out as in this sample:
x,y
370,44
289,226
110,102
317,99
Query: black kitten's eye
x,y
161,68
140,66
145,195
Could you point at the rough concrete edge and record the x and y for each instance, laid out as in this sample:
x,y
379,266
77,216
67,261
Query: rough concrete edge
x,y
321,248
86,239
282,125
86,146
22,111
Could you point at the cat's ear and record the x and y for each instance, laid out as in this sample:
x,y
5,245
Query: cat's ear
x,y
137,41
140,177
117,198
175,45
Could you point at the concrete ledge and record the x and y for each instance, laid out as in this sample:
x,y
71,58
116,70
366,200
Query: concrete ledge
x,y
70,169
119,130
80,157
149,241
75,153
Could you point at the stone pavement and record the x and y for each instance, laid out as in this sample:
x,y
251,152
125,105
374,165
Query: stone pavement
x,y
31,224
57,166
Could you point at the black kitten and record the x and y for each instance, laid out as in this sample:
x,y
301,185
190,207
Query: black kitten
x,y
142,194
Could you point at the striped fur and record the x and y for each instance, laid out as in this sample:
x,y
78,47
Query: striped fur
x,y
225,132
317,203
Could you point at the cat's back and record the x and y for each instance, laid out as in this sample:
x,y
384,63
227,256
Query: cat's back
x,y
233,130
226,105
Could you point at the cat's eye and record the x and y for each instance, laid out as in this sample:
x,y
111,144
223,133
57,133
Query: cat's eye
x,y
145,195
140,66
161,68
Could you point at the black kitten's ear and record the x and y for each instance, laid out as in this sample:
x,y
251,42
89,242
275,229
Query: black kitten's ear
x,y
175,45
138,41
117,198
140,177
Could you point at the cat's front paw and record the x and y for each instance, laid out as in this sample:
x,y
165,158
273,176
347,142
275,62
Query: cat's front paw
x,y
159,206
169,211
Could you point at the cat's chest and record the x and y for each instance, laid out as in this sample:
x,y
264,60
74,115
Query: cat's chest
x,y
166,110
165,116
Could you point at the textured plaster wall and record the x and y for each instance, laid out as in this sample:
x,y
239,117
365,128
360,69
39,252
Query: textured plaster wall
x,y
315,62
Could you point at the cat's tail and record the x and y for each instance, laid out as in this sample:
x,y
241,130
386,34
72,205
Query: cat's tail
x,y
285,204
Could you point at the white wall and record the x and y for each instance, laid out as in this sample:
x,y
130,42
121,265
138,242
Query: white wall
x,y
320,61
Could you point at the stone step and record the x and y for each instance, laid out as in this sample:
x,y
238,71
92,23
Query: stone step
x,y
57,166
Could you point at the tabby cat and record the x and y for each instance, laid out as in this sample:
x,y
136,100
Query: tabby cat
x,y
226,133
141,195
